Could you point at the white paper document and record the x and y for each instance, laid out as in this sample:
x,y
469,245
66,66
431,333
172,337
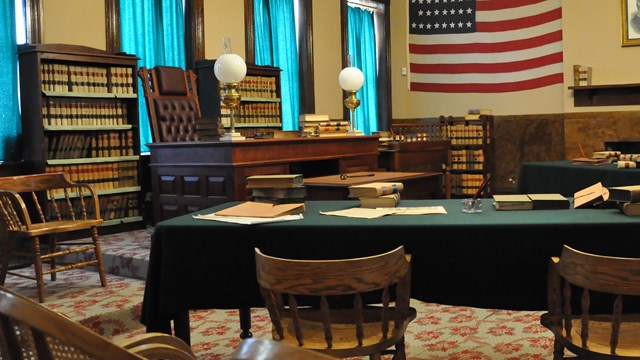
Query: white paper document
x,y
244,220
365,213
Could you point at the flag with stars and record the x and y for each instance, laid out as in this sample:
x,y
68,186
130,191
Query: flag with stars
x,y
484,46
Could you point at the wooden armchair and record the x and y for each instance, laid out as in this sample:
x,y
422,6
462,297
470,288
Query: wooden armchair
x,y
29,330
359,330
44,207
171,95
587,333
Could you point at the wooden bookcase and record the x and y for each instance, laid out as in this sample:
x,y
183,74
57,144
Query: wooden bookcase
x,y
472,153
470,143
261,106
80,116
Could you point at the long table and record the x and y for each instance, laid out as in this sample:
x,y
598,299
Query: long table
x,y
493,259
565,178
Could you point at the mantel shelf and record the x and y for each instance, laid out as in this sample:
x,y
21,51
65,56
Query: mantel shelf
x,y
606,95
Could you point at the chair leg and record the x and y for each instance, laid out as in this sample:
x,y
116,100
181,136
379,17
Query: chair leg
x,y
37,263
558,350
53,248
98,252
400,353
9,243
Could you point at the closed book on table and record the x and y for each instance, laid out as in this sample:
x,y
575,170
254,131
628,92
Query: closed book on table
x,y
512,202
590,196
291,192
384,201
274,181
262,210
630,193
375,189
631,209
549,201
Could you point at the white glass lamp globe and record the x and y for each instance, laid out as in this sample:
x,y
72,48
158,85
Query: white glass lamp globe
x,y
230,68
351,78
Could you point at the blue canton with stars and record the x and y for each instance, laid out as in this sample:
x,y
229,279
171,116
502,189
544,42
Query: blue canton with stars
x,y
429,17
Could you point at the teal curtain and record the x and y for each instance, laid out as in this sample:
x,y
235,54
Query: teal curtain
x,y
10,114
362,48
276,45
153,30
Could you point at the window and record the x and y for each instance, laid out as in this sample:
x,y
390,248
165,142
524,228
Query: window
x,y
379,10
10,117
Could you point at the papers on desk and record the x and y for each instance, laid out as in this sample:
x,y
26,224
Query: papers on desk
x,y
365,213
245,220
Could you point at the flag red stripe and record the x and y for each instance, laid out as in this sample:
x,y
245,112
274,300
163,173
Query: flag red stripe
x,y
486,48
503,4
521,23
486,68
489,88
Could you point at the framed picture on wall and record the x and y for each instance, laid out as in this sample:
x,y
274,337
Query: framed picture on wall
x,y
630,20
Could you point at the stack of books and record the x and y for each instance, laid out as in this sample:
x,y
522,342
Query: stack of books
x,y
209,128
377,194
321,125
277,189
530,202
627,198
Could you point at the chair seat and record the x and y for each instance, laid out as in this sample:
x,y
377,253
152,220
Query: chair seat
x,y
343,330
51,227
600,336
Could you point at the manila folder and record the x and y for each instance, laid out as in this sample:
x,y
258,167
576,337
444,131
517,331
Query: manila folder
x,y
263,210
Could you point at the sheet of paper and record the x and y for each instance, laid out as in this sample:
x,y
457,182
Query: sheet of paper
x,y
244,220
364,213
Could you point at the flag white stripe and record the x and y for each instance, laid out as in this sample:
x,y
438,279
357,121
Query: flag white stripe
x,y
490,58
477,37
487,78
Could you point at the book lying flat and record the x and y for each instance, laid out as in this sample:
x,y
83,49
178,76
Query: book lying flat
x,y
548,201
530,202
631,209
512,202
375,189
630,193
291,192
390,200
261,210
274,181
590,196
590,161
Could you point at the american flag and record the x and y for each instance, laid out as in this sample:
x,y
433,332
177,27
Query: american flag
x,y
484,46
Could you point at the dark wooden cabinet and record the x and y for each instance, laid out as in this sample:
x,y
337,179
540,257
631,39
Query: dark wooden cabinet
x,y
261,105
80,116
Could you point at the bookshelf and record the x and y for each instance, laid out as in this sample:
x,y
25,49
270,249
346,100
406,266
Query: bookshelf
x,y
471,153
260,108
80,116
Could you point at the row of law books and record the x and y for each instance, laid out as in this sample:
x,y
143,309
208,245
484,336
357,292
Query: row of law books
x,y
466,184
88,79
463,159
102,176
254,113
321,125
258,87
377,194
89,145
71,112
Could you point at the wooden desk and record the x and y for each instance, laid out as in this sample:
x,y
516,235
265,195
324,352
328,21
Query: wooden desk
x,y
417,185
189,176
494,259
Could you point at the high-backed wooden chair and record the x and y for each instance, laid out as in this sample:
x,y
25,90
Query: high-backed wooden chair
x,y
29,330
575,278
357,330
171,95
40,209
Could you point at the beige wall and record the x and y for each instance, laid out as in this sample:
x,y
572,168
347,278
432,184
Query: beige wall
x,y
78,22
591,37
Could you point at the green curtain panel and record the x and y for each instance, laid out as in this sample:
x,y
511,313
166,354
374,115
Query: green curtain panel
x,y
10,114
362,49
275,45
153,30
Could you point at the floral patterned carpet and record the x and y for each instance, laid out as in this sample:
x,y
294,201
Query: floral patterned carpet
x,y
439,331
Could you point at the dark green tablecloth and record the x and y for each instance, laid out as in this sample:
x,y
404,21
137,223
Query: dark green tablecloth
x,y
564,178
493,259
